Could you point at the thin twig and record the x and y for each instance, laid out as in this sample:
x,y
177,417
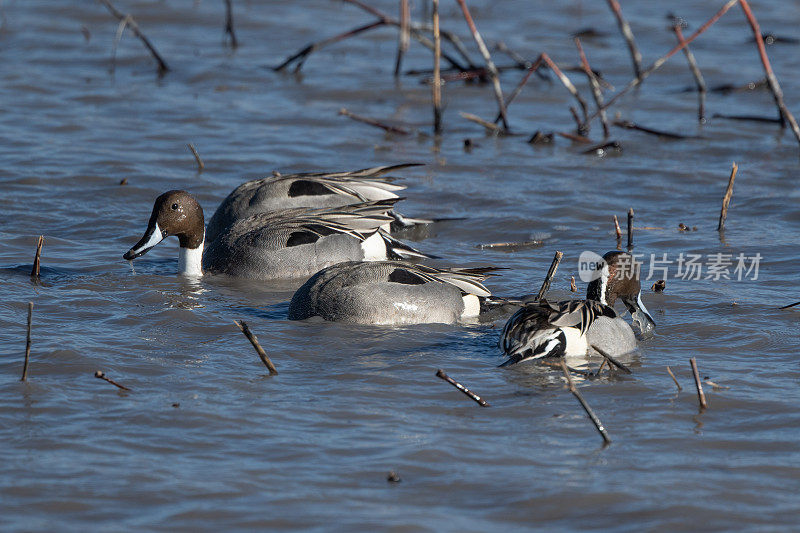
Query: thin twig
x,y
617,229
200,164
102,375
700,395
663,59
674,379
303,54
254,341
229,24
774,86
441,374
630,229
549,278
494,128
612,360
627,124
27,344
698,76
495,76
726,200
37,260
790,305
627,33
596,91
373,122
595,420
130,22
437,75
402,36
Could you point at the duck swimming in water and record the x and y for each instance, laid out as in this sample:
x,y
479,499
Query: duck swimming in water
x,y
568,328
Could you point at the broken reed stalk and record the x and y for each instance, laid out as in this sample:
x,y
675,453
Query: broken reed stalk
x,y
416,33
630,229
102,375
130,22
726,200
27,344
229,24
402,36
437,75
441,374
790,305
698,76
774,86
565,81
627,33
494,128
700,395
303,54
254,341
674,379
200,164
617,229
595,85
493,74
663,59
595,420
373,122
612,360
549,278
37,259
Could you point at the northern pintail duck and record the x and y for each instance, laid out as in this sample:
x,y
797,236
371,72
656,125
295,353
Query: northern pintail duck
x,y
547,329
391,293
321,189
293,243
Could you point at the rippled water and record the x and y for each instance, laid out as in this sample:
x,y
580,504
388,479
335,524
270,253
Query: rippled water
x,y
206,440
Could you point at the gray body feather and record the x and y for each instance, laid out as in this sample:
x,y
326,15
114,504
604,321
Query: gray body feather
x,y
387,292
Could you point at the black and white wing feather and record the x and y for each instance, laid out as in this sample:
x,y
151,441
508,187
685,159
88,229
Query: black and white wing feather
x,y
539,329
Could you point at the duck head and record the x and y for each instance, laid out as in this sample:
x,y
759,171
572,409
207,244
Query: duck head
x,y
174,213
619,278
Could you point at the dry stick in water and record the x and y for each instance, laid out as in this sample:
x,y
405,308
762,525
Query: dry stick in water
x,y
617,229
663,59
700,395
229,23
254,341
494,128
441,374
37,259
437,75
577,394
630,229
102,375
303,54
549,278
200,164
495,76
698,77
774,86
790,305
403,36
625,28
596,92
612,360
674,379
726,200
565,81
416,33
373,122
162,65
27,344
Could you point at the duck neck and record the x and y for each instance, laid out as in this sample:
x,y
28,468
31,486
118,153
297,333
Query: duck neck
x,y
190,261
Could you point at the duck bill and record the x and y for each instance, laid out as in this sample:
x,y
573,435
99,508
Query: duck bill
x,y
640,315
151,237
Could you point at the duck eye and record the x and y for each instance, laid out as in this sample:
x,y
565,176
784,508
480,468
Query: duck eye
x,y
175,207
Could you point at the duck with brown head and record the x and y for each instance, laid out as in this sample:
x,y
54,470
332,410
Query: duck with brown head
x,y
288,244
544,329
